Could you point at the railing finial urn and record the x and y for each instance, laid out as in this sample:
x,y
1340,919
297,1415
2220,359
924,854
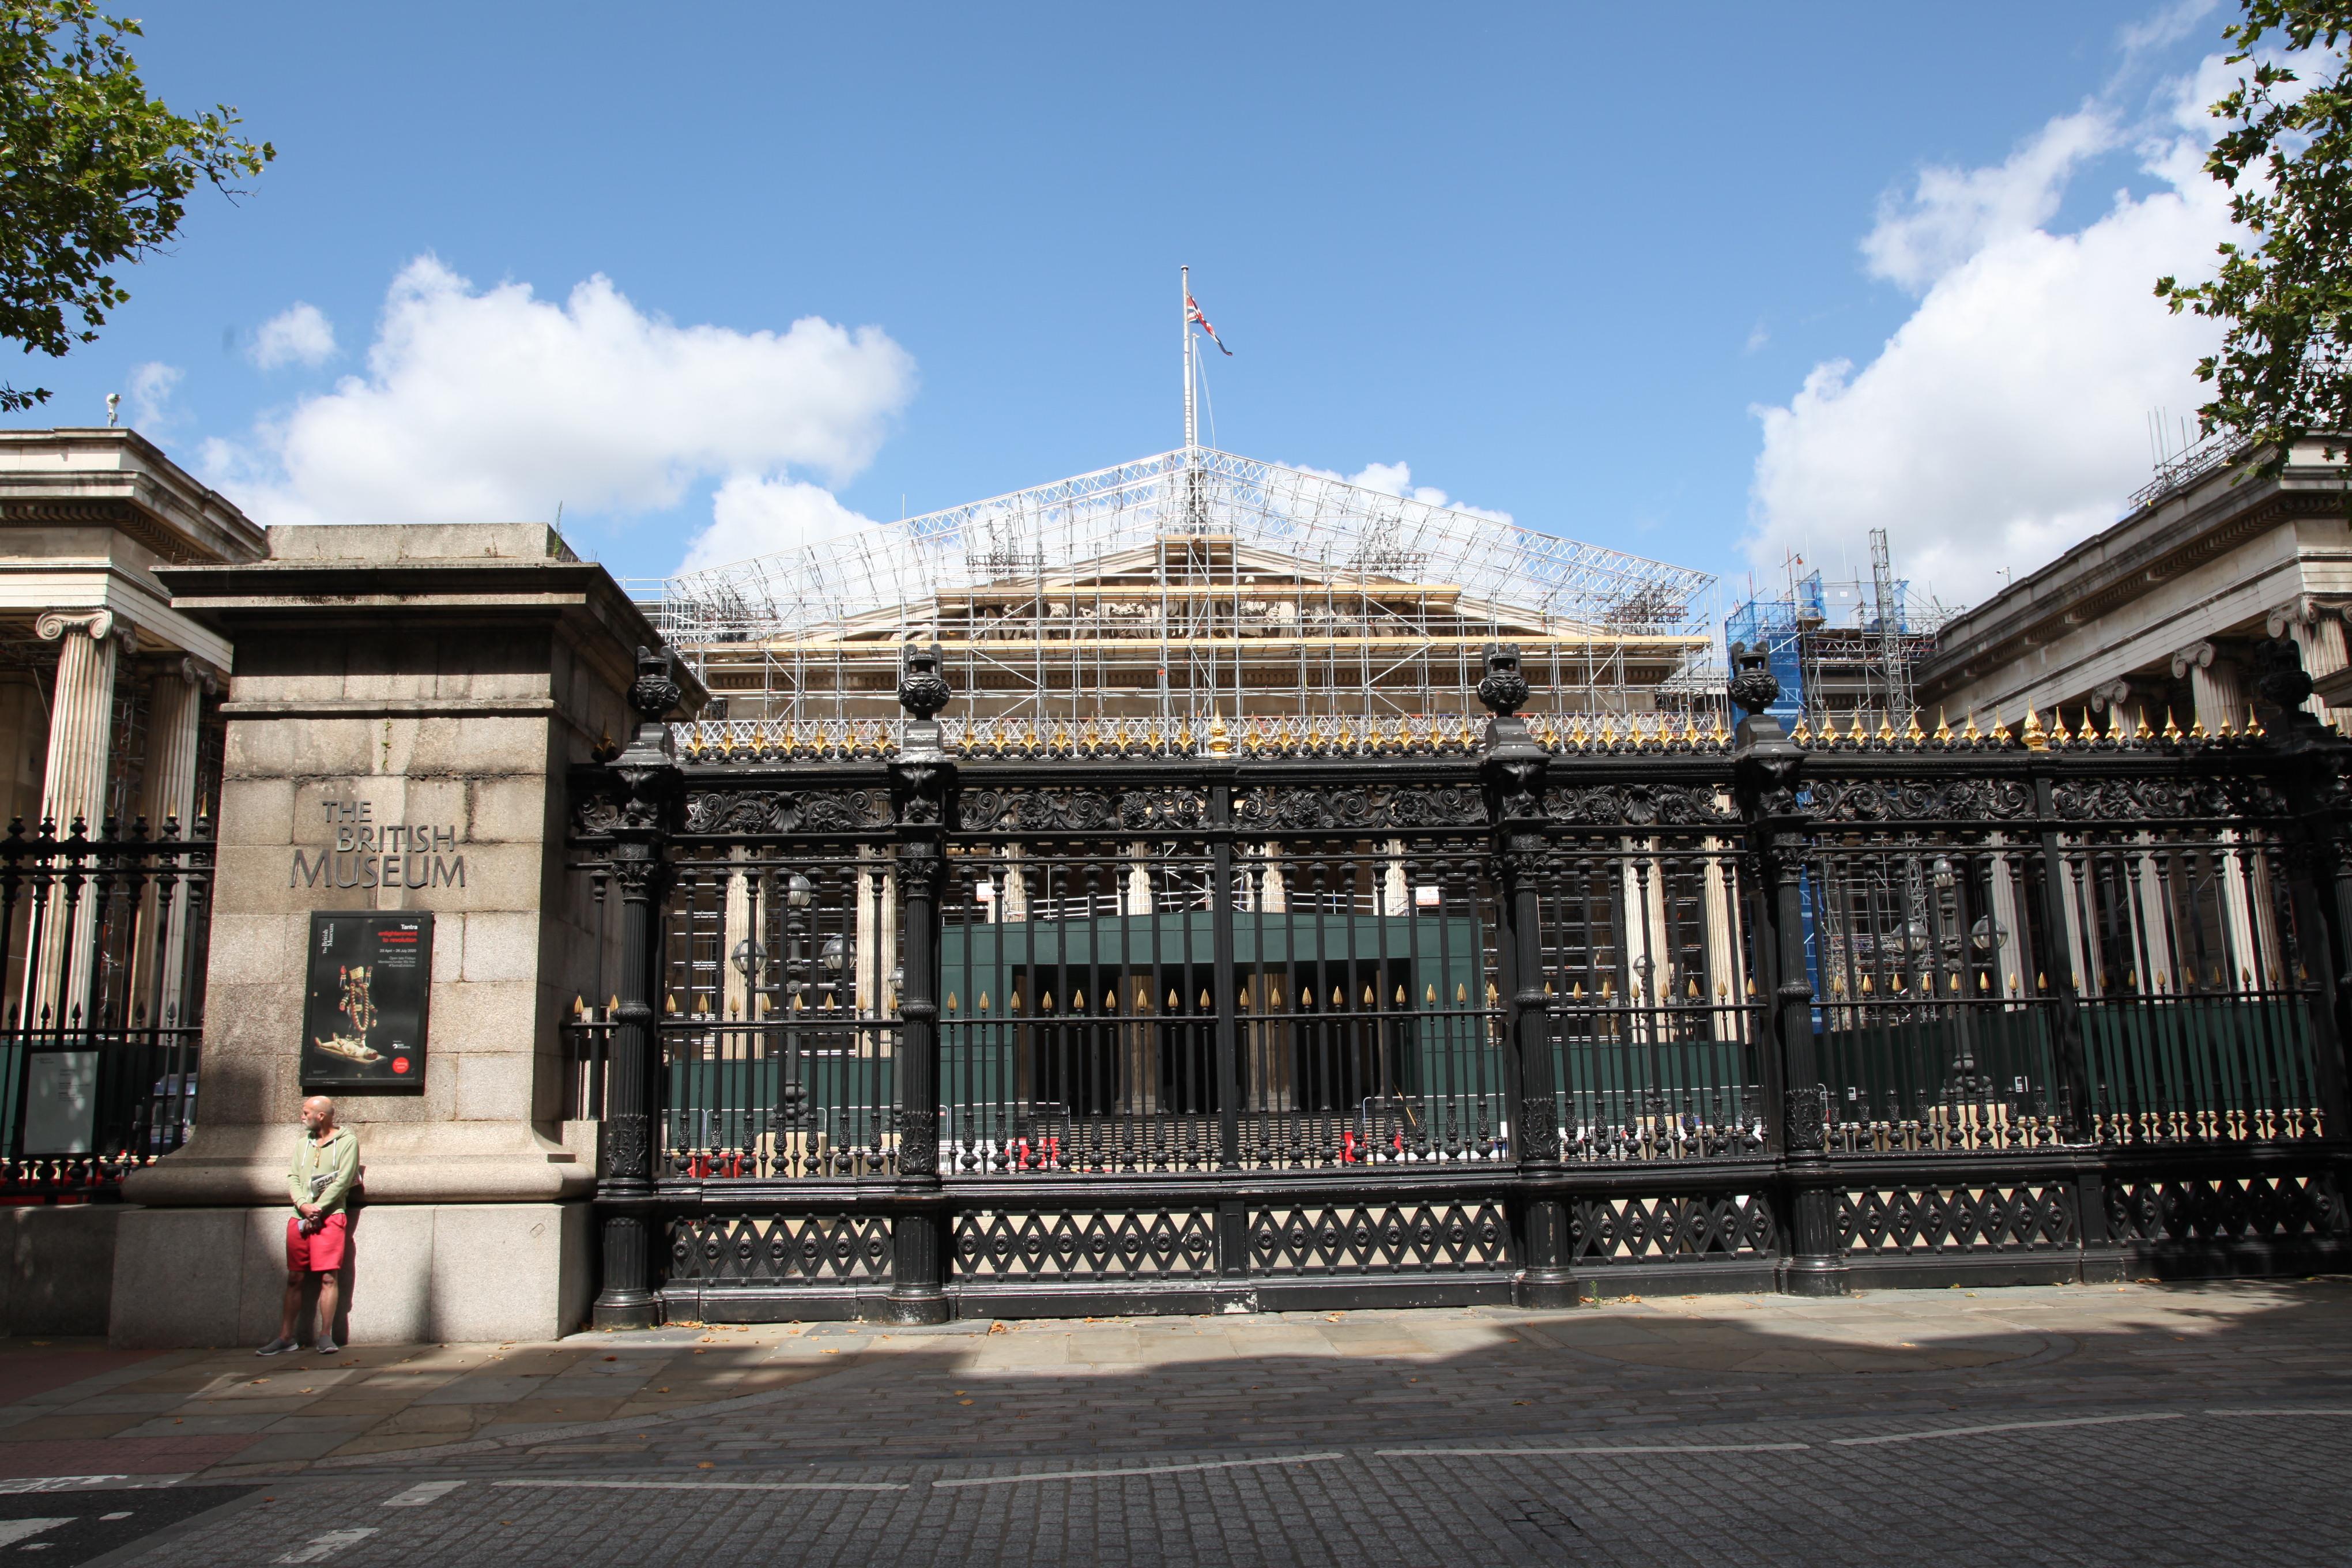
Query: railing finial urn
x,y
922,689
2280,679
1505,688
1752,684
655,691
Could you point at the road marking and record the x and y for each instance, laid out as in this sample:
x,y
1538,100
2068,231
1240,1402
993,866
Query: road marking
x,y
318,1548
422,1493
54,1483
12,1530
2006,1427
2287,1410
1645,1448
722,1485
1140,1470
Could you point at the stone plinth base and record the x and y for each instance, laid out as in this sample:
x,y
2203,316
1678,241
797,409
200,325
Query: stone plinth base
x,y
417,1272
57,1267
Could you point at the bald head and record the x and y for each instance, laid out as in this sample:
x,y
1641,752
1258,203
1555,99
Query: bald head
x,y
317,1113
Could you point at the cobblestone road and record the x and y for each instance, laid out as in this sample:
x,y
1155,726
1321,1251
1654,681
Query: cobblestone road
x,y
2144,1425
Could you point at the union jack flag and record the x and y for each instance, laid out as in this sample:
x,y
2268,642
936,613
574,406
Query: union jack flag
x,y
1193,314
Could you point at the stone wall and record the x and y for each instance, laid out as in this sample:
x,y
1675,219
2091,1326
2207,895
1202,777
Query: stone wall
x,y
443,679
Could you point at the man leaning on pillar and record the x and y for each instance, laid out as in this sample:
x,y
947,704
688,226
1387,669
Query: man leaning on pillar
x,y
326,1163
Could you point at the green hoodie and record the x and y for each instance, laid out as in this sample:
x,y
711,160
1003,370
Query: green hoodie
x,y
337,1162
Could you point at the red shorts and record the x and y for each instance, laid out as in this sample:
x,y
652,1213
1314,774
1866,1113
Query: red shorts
x,y
320,1252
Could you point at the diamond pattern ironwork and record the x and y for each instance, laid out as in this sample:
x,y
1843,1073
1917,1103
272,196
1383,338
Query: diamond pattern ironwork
x,y
1957,1219
1000,1245
1388,1240
780,1248
1703,1225
2229,1209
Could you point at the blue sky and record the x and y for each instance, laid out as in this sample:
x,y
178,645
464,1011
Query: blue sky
x,y
1561,265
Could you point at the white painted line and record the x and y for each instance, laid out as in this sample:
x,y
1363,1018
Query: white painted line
x,y
1140,1470
2287,1410
54,1483
12,1530
318,1548
722,1485
1643,1449
2006,1427
422,1493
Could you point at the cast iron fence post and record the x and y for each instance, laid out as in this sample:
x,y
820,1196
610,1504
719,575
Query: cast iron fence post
x,y
2315,772
922,782
646,773
1765,768
1512,767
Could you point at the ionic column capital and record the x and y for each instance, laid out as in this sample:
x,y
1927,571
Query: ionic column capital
x,y
2300,611
2196,655
195,672
97,625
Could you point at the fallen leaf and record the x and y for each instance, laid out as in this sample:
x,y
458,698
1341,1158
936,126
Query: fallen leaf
x,y
703,1466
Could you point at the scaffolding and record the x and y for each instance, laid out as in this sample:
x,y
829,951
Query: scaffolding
x,y
1189,585
1842,648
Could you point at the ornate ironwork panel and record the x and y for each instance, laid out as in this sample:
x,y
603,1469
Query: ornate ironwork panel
x,y
997,1245
1957,1219
1680,1228
1376,1239
2227,1208
780,1249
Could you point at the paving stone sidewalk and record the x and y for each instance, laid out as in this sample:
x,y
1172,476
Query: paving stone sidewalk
x,y
1386,1436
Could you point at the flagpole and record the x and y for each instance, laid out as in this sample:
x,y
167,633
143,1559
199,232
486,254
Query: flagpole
x,y
1184,319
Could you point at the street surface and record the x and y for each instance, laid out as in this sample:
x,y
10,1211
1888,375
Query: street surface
x,y
2140,1425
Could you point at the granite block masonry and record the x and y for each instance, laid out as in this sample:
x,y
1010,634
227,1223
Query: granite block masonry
x,y
403,708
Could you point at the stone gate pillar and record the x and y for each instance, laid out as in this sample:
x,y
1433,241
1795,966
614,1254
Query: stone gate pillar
x,y
431,686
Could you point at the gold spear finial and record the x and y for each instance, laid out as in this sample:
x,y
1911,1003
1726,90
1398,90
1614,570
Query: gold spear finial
x,y
2036,738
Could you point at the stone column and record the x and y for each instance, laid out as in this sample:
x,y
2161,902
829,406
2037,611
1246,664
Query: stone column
x,y
81,717
1396,894
1139,880
2218,693
2131,700
73,789
175,710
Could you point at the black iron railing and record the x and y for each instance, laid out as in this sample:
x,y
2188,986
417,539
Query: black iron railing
x,y
103,1016
1321,1003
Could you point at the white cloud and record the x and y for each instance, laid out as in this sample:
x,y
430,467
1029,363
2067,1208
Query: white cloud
x,y
2007,418
2168,25
1396,480
1952,214
490,404
300,334
150,392
752,516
